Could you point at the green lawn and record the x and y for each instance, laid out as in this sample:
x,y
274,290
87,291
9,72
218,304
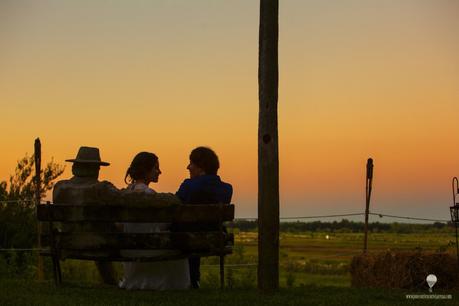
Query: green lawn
x,y
15,292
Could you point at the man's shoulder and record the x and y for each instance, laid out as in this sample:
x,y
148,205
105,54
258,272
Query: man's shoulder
x,y
227,192
207,181
106,184
226,183
227,186
83,183
187,184
186,181
79,190
61,183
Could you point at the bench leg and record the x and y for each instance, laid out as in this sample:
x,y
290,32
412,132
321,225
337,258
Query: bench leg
x,y
222,272
59,273
55,271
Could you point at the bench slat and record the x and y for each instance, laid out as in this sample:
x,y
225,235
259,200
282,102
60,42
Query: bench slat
x,y
112,255
116,213
185,241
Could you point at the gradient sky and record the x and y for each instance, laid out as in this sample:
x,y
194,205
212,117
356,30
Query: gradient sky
x,y
358,79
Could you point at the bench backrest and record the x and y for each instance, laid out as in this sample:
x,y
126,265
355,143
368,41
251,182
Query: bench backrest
x,y
208,213
91,240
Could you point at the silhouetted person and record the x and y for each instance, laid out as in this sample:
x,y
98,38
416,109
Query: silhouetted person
x,y
85,188
161,275
203,187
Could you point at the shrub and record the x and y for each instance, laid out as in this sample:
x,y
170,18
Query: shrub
x,y
290,280
407,270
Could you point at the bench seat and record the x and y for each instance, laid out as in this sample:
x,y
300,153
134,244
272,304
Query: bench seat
x,y
90,240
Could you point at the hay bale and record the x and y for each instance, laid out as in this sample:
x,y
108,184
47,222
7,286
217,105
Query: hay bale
x,y
406,270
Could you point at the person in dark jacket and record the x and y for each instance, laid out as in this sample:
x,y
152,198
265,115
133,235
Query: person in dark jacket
x,y
203,187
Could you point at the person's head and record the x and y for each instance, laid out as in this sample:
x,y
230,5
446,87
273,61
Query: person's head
x,y
85,170
203,161
87,163
144,168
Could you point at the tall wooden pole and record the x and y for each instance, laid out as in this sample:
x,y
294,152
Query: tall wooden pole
x,y
37,156
454,212
368,187
268,156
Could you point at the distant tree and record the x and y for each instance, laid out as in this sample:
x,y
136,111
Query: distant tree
x,y
439,225
17,206
21,184
349,226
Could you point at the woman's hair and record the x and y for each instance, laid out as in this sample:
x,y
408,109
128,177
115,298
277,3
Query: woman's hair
x,y
142,163
206,159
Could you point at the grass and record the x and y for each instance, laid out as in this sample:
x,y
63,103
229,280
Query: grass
x,y
314,271
305,258
341,247
16,292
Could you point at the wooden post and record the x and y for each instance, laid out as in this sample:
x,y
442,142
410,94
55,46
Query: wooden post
x,y
268,159
369,180
37,155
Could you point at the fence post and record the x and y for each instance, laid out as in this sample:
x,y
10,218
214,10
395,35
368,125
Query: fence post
x,y
37,155
369,180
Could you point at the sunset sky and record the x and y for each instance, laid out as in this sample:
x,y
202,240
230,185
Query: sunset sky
x,y
357,79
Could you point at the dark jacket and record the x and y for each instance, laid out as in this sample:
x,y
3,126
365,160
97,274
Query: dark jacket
x,y
204,189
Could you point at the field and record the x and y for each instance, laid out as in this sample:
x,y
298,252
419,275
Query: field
x,y
314,270
323,258
307,258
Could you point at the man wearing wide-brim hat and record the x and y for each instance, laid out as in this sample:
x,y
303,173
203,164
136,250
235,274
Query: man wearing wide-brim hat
x,y
84,188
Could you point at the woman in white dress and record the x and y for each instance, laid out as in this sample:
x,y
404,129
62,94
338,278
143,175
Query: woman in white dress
x,y
162,275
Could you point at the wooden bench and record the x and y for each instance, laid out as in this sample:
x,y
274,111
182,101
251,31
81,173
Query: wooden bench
x,y
62,241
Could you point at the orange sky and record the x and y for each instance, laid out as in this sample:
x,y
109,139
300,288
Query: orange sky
x,y
357,79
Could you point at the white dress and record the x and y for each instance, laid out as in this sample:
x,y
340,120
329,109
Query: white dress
x,y
161,275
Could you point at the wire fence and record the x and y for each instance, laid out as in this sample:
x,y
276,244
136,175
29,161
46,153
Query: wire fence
x,y
15,201
253,264
23,250
303,217
409,218
381,215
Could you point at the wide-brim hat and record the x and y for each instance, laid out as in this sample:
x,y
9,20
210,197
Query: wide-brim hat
x,y
88,155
